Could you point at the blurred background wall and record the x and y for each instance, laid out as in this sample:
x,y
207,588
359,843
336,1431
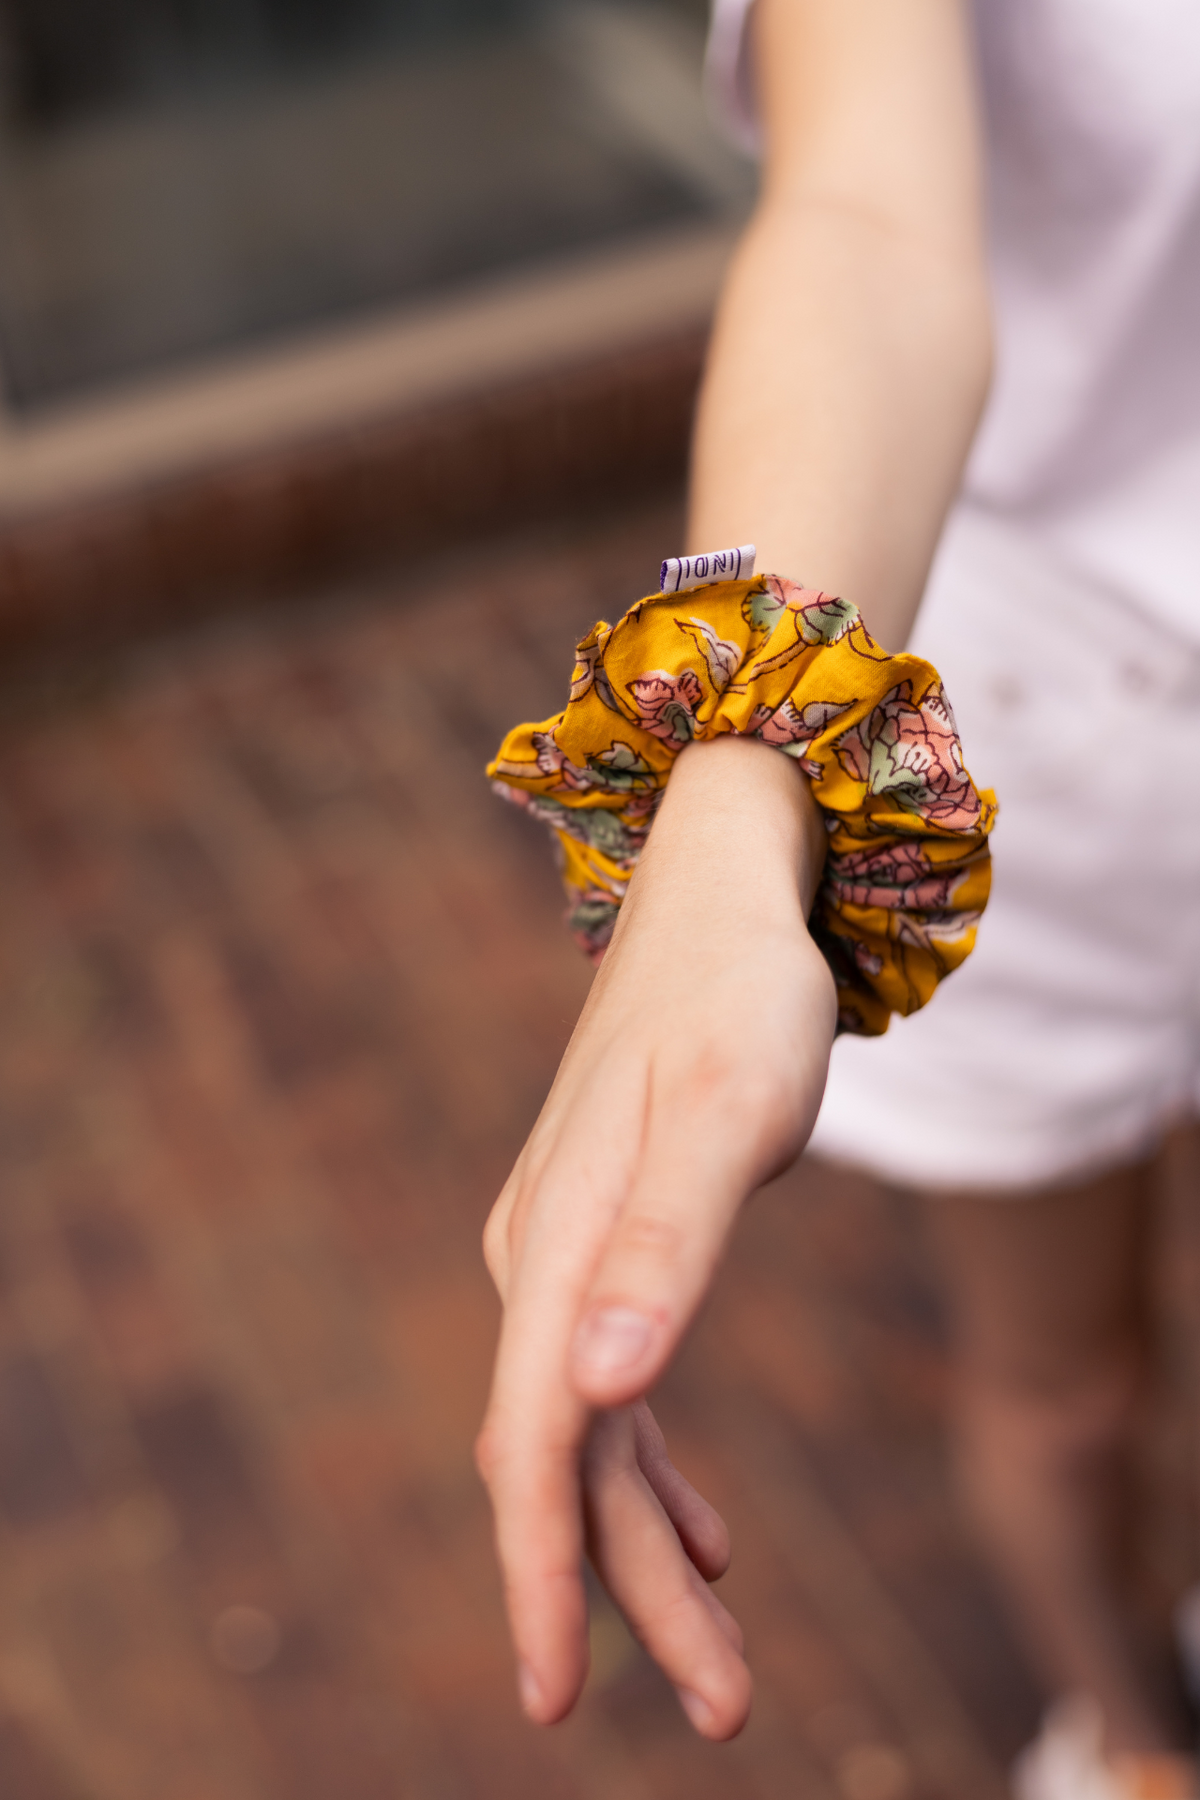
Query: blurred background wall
x,y
184,178
290,265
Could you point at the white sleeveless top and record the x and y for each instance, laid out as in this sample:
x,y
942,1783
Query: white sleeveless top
x,y
1091,438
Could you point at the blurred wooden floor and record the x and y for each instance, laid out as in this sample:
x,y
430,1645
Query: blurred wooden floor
x,y
281,988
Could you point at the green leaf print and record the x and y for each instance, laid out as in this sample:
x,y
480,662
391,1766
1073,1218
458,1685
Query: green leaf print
x,y
827,619
761,609
620,769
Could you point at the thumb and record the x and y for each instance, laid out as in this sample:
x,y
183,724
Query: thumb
x,y
663,1248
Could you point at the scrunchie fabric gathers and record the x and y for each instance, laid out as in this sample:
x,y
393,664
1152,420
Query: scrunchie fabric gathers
x,y
908,870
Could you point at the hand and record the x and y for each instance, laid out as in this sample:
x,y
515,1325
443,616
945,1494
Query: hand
x,y
694,1075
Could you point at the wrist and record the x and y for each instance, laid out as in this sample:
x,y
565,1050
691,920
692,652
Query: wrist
x,y
738,825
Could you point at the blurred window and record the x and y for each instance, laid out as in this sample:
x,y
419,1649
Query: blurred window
x,y
178,177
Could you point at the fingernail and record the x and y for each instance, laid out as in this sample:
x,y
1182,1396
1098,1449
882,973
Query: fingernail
x,y
697,1710
612,1340
529,1687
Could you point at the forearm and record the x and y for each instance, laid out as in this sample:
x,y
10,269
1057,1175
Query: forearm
x,y
851,352
844,386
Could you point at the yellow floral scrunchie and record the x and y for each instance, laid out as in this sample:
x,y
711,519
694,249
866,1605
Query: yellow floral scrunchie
x,y
907,872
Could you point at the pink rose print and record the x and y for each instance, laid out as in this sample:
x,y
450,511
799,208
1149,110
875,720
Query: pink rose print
x,y
789,728
912,755
550,760
666,704
820,618
897,876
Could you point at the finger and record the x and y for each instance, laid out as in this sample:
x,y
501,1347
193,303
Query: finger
x,y
532,1438
702,1531
641,1561
528,1454
535,1493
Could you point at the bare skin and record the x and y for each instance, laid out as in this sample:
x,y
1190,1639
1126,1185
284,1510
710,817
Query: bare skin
x,y
847,373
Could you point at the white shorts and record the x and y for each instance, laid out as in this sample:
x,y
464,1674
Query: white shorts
x,y
1071,1038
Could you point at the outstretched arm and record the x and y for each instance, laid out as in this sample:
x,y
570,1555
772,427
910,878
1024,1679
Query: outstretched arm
x,y
847,372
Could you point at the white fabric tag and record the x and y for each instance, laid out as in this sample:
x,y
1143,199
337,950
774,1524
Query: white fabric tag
x,y
681,572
